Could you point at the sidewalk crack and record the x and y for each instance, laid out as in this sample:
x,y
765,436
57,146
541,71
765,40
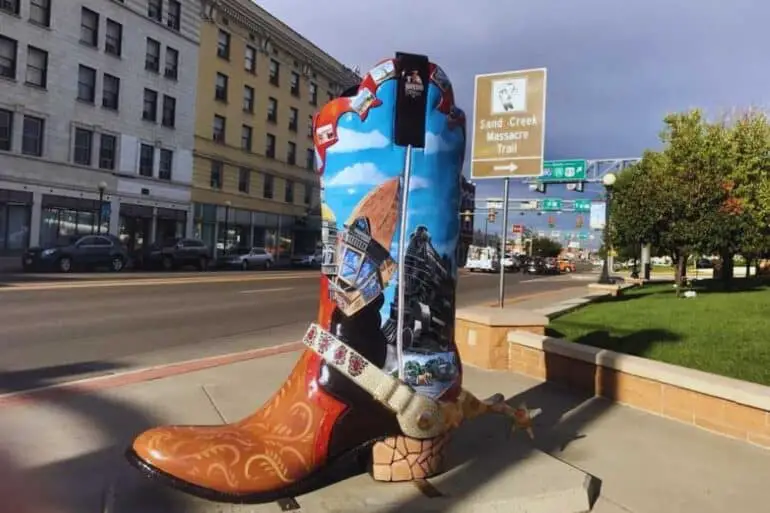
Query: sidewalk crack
x,y
214,404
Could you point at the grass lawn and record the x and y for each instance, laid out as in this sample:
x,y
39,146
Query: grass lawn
x,y
723,332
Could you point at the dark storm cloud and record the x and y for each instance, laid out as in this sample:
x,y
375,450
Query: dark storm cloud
x,y
616,67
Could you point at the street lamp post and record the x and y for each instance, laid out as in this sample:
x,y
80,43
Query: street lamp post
x,y
228,203
102,187
608,181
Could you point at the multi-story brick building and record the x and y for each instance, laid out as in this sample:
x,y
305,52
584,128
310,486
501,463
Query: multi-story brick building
x,y
97,99
259,83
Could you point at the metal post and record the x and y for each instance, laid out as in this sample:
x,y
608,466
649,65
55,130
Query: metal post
x,y
507,183
402,262
605,276
99,214
486,229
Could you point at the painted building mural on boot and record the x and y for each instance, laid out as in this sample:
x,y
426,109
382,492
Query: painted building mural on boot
x,y
362,175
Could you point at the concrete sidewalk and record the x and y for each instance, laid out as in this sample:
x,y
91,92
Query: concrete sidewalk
x,y
69,446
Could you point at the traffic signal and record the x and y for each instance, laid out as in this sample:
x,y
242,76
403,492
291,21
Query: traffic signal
x,y
491,216
580,187
541,187
551,221
579,222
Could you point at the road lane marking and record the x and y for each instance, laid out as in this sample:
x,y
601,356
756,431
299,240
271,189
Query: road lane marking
x,y
257,291
150,282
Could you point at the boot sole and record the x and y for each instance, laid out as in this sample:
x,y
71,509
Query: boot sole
x,y
351,463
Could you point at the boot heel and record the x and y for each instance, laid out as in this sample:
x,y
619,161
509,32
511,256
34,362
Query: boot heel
x,y
399,458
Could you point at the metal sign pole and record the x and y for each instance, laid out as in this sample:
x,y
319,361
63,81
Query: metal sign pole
x,y
507,183
402,262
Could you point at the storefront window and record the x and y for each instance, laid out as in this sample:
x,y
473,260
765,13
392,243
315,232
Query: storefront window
x,y
14,227
59,223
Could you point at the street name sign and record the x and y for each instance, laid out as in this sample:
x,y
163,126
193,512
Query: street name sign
x,y
509,124
563,171
551,204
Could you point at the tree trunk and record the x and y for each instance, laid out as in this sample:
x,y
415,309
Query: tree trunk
x,y
680,272
748,268
727,267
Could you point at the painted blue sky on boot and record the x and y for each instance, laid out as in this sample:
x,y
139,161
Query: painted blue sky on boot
x,y
365,157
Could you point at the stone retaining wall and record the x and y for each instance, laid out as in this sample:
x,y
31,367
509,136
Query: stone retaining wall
x,y
722,405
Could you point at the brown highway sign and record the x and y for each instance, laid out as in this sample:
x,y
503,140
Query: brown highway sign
x,y
509,124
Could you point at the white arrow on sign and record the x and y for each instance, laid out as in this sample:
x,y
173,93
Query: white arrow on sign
x,y
510,167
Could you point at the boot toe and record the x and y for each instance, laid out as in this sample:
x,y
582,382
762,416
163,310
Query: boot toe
x,y
199,455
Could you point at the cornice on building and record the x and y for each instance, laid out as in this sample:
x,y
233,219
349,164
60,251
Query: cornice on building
x,y
272,31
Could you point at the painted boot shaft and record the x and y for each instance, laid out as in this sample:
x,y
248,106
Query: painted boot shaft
x,y
321,425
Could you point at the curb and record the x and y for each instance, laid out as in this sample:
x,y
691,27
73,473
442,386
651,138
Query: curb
x,y
142,375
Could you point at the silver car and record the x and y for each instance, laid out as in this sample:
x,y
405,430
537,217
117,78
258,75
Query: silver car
x,y
245,258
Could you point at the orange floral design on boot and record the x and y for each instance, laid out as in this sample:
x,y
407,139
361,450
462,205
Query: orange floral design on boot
x,y
272,448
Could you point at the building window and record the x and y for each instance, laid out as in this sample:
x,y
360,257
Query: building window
x,y
220,125
89,27
155,9
310,159
146,160
267,187
174,15
250,59
37,67
169,111
84,140
86,84
248,99
150,109
270,146
6,130
275,72
172,63
246,134
10,6
291,154
110,92
310,126
295,84
166,164
223,45
288,192
244,179
39,11
7,57
215,180
152,56
308,194
107,151
272,110
113,38
313,89
220,88
32,136
293,119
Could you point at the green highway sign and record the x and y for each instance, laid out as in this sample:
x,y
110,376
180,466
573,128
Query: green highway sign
x,y
583,235
581,205
563,171
550,204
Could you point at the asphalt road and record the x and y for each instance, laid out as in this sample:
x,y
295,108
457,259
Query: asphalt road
x,y
51,332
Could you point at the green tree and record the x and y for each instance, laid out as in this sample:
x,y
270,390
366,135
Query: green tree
x,y
545,247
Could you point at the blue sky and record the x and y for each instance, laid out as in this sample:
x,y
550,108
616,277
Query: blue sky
x,y
614,68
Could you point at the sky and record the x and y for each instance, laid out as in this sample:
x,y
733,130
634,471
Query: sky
x,y
615,68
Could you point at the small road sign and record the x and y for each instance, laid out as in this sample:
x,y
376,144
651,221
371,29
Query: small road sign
x,y
563,171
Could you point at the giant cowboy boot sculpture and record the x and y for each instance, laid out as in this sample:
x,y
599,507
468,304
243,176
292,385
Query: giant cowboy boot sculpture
x,y
381,376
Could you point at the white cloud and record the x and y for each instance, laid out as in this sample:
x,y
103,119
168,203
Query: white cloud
x,y
350,140
363,173
418,182
434,143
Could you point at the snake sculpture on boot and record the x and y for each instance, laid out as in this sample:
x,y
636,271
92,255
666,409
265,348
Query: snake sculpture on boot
x,y
381,378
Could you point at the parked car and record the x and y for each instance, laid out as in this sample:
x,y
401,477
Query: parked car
x,y
511,263
550,266
78,252
307,260
248,258
567,266
172,254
